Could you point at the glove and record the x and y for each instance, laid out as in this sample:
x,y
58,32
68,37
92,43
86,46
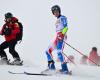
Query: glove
x,y
7,31
60,36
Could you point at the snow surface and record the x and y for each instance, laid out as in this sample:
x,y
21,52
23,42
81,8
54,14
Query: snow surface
x,y
39,31
79,73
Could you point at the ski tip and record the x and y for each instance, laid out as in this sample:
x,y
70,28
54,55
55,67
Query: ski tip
x,y
11,72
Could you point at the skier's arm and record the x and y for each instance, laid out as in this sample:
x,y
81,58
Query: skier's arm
x,y
64,30
62,33
64,22
16,29
1,32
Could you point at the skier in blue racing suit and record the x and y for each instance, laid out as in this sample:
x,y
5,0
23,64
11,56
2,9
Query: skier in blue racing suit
x,y
58,44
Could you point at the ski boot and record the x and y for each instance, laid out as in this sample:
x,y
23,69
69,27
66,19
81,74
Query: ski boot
x,y
51,65
4,61
64,69
16,62
50,69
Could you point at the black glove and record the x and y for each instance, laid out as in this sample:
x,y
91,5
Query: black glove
x,y
7,31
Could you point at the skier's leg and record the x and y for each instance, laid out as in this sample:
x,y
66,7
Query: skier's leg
x,y
15,55
12,45
4,59
50,57
61,57
3,46
59,51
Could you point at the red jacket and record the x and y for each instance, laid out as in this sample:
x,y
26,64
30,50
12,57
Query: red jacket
x,y
15,30
93,56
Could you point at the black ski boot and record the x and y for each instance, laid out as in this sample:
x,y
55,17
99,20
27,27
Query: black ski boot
x,y
51,65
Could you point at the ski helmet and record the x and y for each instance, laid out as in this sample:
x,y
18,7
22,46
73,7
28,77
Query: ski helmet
x,y
8,15
55,8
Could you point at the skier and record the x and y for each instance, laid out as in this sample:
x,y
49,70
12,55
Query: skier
x,y
70,59
9,31
58,44
94,56
83,59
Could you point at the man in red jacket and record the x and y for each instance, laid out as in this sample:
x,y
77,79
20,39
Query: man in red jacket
x,y
9,30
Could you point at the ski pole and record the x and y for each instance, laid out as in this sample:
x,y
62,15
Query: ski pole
x,y
68,58
81,53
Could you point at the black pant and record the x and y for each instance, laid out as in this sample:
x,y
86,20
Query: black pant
x,y
11,45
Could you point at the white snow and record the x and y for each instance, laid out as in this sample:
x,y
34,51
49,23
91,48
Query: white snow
x,y
79,73
39,31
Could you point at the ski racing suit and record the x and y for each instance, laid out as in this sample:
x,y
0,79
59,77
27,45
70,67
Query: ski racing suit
x,y
58,44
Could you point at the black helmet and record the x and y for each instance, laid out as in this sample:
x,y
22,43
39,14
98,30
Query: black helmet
x,y
94,48
54,8
8,15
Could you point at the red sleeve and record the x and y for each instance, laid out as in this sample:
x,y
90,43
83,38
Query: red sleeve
x,y
2,29
16,29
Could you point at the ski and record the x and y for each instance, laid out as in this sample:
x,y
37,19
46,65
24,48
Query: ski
x,y
55,72
42,74
28,73
11,72
46,72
